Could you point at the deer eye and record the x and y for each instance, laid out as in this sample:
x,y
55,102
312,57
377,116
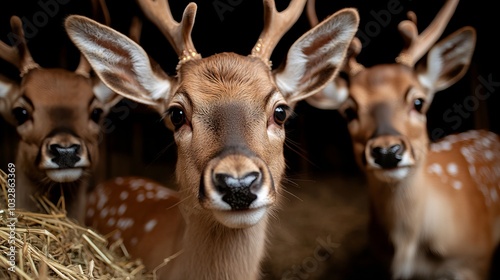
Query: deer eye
x,y
418,104
21,115
280,114
96,114
350,114
177,116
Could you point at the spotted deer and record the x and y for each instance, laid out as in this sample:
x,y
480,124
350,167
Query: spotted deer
x,y
227,113
137,211
435,204
57,114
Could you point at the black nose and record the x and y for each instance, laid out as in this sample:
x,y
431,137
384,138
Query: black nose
x,y
65,157
237,192
388,157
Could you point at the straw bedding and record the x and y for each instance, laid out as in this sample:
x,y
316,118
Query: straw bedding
x,y
50,246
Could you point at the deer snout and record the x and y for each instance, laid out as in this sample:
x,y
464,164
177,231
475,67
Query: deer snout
x,y
388,157
237,188
387,152
238,192
65,157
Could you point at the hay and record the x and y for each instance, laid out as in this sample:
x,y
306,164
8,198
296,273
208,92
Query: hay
x,y
51,246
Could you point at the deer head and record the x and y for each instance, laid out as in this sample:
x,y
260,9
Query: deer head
x,y
57,114
385,105
227,111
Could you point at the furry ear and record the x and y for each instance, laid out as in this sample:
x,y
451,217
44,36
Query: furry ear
x,y
120,63
9,91
448,60
316,57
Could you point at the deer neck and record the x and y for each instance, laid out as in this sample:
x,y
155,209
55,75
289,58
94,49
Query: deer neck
x,y
398,206
213,251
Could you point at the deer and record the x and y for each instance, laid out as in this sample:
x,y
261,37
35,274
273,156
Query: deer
x,y
227,113
434,207
58,115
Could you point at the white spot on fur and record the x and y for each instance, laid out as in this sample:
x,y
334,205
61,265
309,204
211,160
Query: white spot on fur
x,y
104,212
148,227
149,186
124,223
162,194
111,222
457,185
121,209
441,146
435,168
150,195
123,195
119,181
452,169
134,241
140,197
103,198
90,212
135,184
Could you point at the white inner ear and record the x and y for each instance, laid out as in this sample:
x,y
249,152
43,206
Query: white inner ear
x,y
287,80
4,89
107,61
155,85
103,92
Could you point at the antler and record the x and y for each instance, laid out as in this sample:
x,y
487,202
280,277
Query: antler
x,y
178,34
276,24
417,45
18,55
100,13
311,13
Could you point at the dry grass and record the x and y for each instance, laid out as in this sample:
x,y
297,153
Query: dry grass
x,y
51,246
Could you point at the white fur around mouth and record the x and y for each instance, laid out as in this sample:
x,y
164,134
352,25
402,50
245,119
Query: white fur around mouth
x,y
64,175
240,218
391,175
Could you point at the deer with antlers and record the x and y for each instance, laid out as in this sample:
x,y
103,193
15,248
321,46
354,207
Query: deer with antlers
x,y
435,205
57,114
228,114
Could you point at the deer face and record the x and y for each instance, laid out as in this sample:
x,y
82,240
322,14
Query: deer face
x,y
386,119
57,117
230,127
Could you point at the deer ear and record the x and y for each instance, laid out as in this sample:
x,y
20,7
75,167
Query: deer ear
x,y
106,95
9,91
447,61
119,62
316,57
331,97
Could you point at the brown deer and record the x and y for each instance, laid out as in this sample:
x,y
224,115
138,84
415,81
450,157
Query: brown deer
x,y
58,116
435,205
228,114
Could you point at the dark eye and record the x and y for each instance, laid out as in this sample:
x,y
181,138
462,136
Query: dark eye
x,y
280,114
21,115
96,114
177,117
350,114
418,104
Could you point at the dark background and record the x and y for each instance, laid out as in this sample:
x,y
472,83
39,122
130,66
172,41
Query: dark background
x,y
318,143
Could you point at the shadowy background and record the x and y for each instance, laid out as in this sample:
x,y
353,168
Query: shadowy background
x,y
318,144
